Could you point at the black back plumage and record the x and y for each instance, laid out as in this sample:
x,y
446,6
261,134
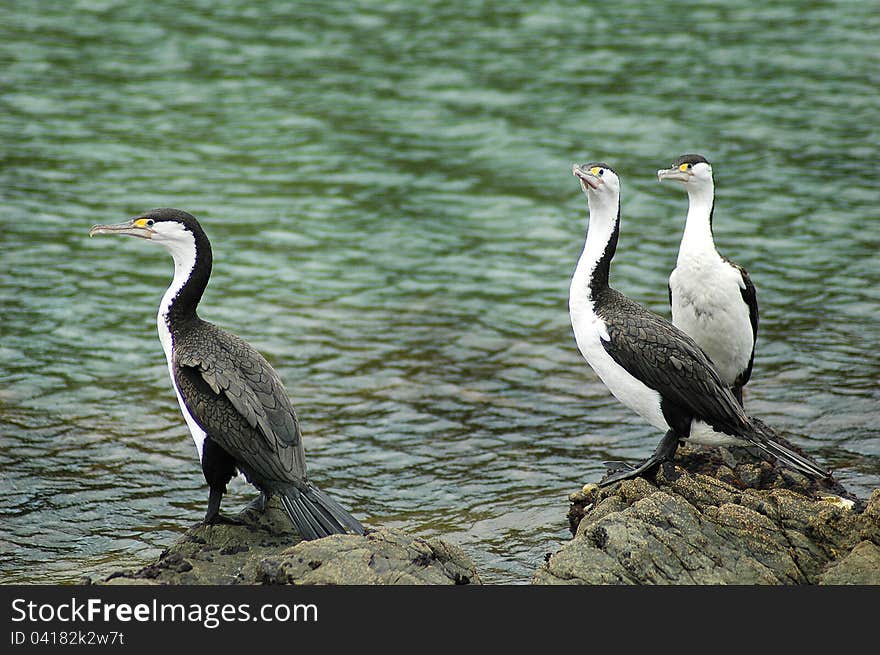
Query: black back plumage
x,y
237,398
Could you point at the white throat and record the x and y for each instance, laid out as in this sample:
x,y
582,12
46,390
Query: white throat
x,y
697,237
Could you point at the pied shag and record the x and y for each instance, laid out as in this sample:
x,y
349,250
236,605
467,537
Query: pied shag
x,y
712,298
647,363
232,399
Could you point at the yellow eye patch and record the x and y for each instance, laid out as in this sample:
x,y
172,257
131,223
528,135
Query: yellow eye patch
x,y
143,222
595,170
684,167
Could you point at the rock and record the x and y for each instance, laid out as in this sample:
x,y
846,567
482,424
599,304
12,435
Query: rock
x,y
860,566
383,557
713,521
264,549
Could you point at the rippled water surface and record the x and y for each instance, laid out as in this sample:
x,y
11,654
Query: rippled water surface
x,y
387,187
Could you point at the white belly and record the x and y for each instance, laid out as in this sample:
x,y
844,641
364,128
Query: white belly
x,y
707,305
702,433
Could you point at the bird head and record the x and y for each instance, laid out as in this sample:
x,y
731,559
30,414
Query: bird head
x,y
162,226
694,171
599,182
176,230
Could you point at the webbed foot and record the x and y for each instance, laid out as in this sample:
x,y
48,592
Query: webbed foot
x,y
664,452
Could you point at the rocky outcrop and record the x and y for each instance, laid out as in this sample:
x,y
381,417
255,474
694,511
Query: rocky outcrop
x,y
714,517
718,522
262,549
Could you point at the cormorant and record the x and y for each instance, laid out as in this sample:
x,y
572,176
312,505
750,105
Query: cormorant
x,y
712,298
233,401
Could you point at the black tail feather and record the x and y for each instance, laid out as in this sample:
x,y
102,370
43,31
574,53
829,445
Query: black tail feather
x,y
306,527
316,515
319,515
768,442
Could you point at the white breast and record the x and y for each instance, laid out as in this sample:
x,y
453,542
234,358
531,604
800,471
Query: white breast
x,y
707,305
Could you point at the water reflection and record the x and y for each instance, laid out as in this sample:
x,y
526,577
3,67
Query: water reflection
x,y
394,226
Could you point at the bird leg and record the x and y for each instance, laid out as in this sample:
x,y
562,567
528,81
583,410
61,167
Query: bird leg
x,y
218,467
213,515
664,452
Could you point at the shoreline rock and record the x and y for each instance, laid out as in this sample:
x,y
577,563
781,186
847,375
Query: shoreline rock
x,y
718,522
264,549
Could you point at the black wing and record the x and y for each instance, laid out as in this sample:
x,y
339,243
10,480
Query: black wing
x,y
239,401
750,297
667,360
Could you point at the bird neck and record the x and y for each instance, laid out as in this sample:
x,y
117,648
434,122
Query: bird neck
x,y
698,226
594,265
192,269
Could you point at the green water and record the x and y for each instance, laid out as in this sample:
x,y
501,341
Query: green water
x,y
387,187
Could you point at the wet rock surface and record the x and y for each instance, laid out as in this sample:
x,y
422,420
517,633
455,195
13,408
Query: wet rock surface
x,y
715,518
263,549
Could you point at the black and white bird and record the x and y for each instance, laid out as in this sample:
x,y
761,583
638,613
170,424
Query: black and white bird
x,y
233,401
713,299
647,363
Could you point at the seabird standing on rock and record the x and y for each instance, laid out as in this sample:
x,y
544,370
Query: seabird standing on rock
x,y
232,399
713,299
649,365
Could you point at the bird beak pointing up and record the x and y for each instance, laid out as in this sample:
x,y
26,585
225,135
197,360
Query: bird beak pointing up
x,y
136,227
586,177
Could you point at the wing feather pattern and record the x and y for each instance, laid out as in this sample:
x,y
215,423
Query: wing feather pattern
x,y
257,423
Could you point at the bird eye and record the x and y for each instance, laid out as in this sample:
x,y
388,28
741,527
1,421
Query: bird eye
x,y
601,172
150,222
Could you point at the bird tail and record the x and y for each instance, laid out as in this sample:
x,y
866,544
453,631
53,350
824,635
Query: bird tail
x,y
767,442
316,515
